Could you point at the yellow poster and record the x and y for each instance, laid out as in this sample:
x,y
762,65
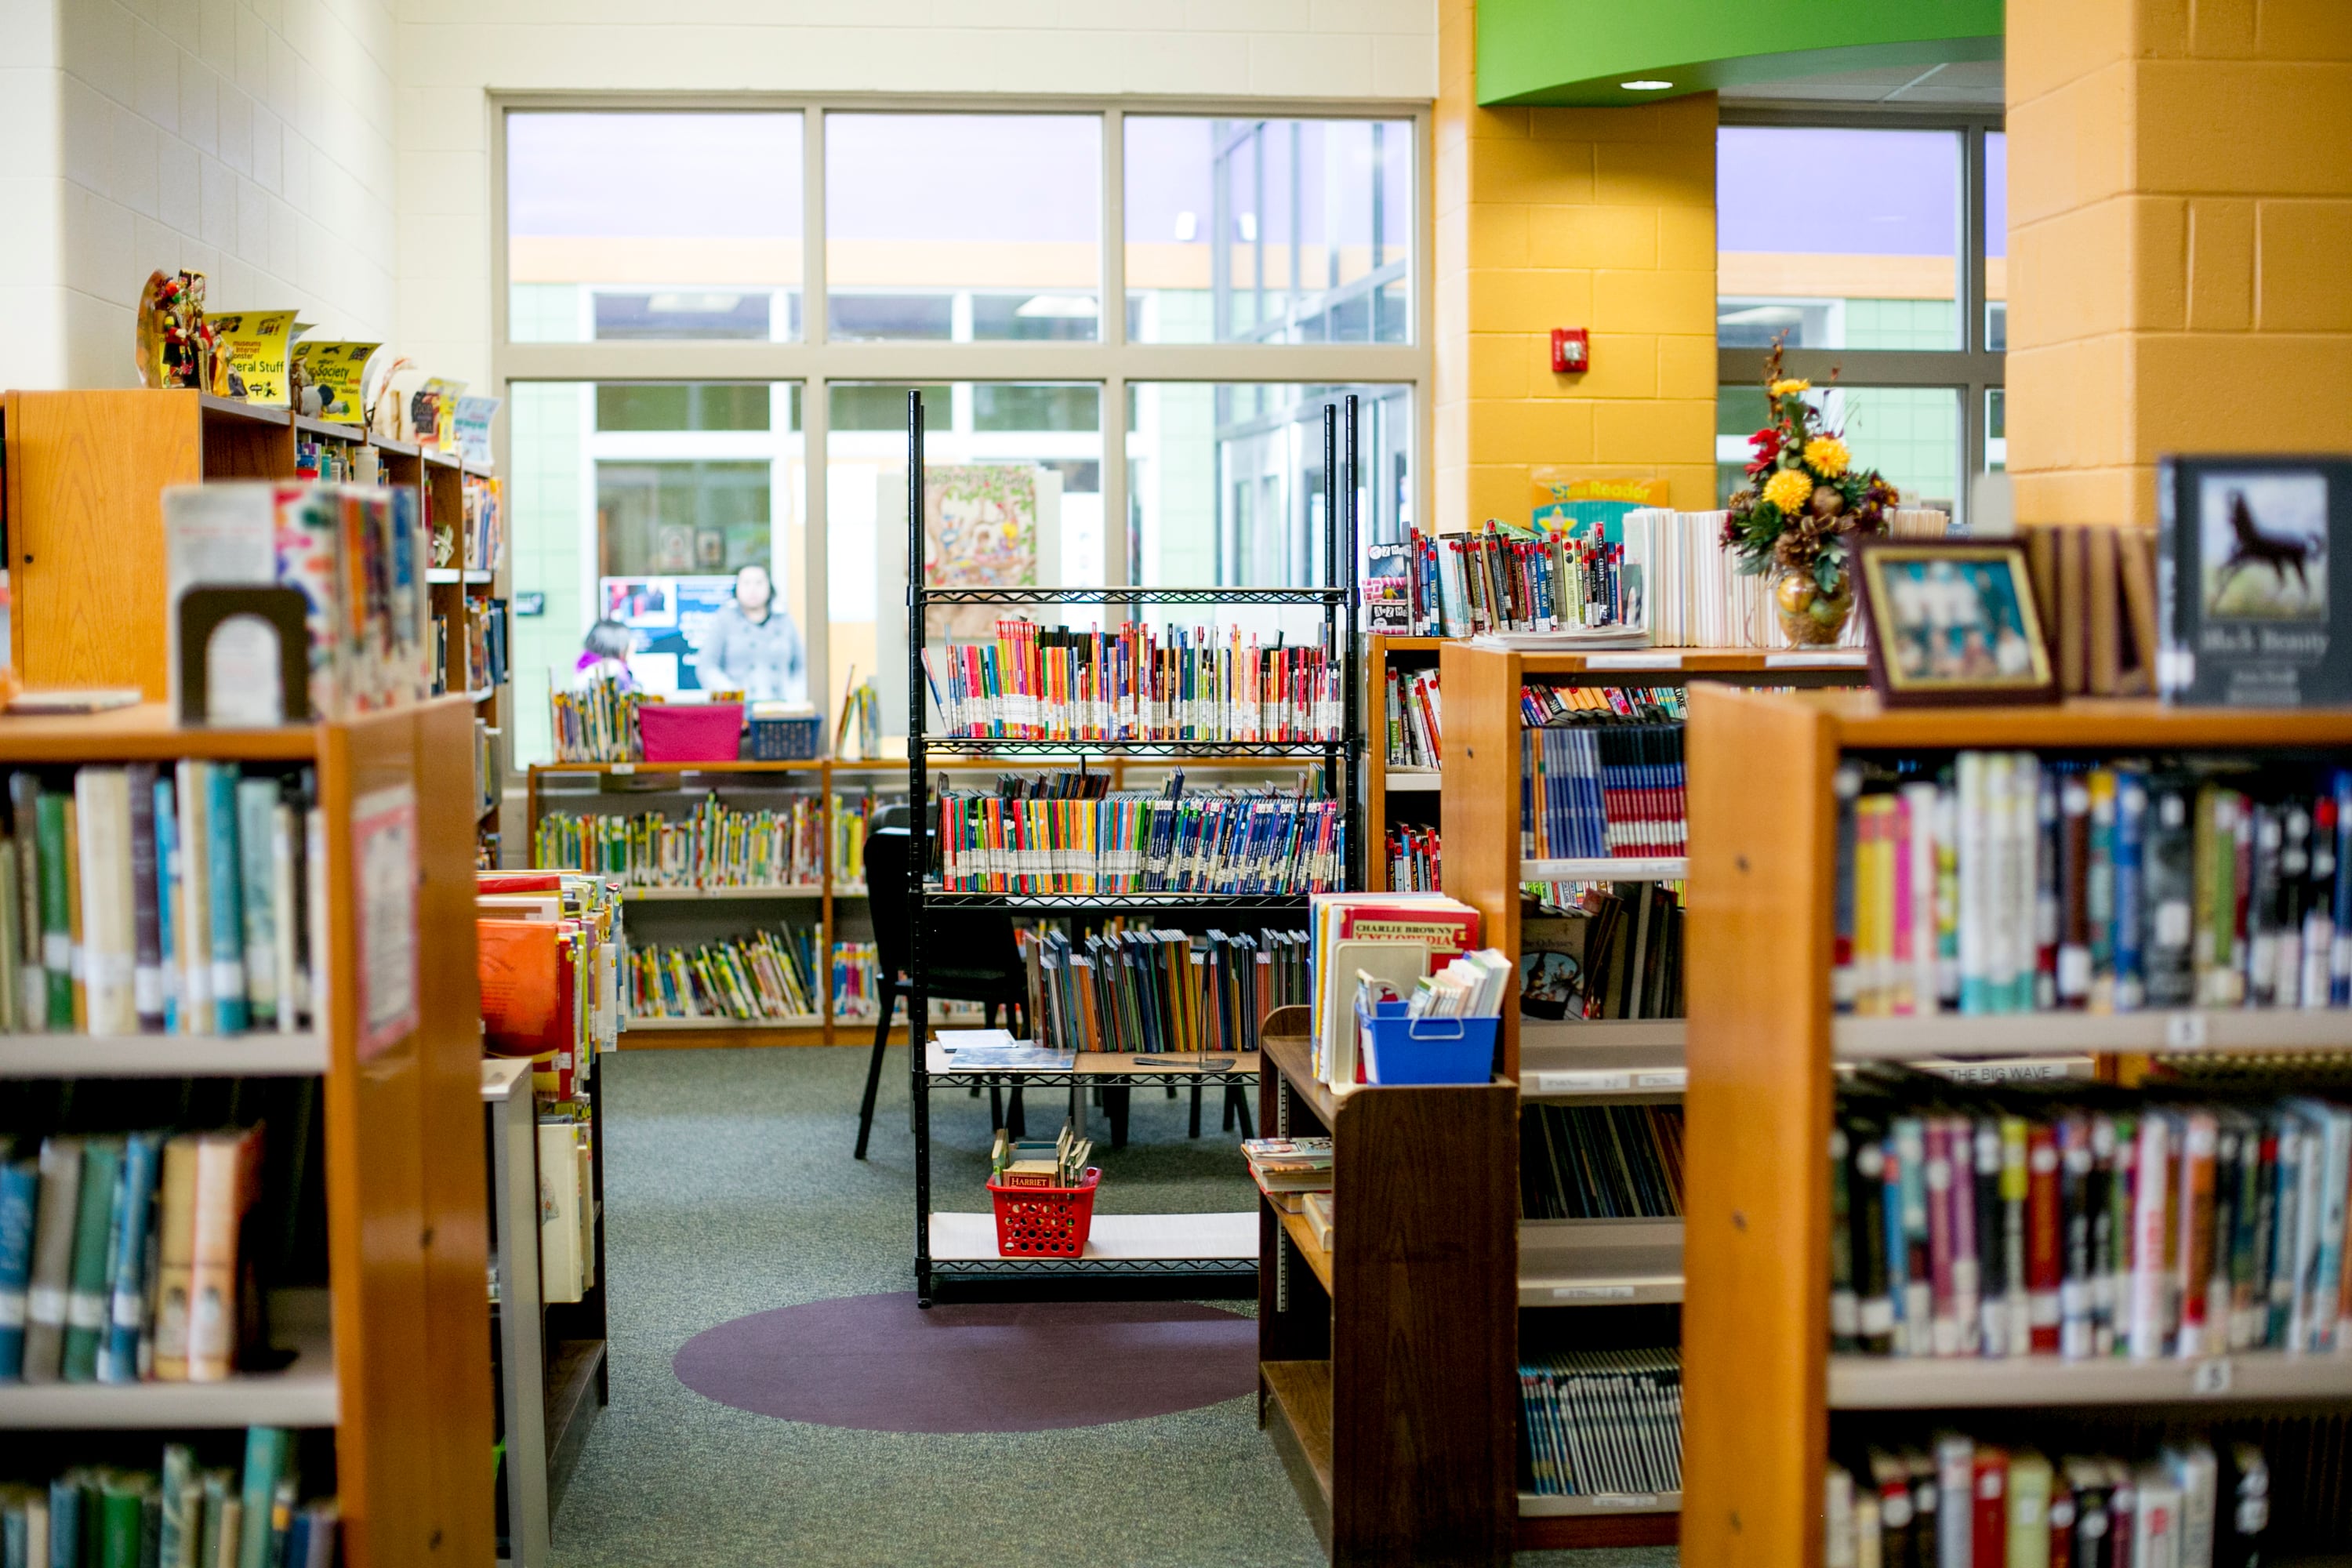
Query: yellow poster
x,y
445,395
339,372
1578,502
255,343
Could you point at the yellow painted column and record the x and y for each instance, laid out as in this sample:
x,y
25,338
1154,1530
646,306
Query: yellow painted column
x,y
2180,241
1600,218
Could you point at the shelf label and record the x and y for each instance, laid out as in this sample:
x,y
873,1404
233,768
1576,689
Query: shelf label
x,y
1624,1500
2184,1031
1582,1082
1633,661
1830,657
1662,1078
1592,1292
2208,1379
625,767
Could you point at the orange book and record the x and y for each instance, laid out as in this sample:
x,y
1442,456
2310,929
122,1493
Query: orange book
x,y
228,1167
527,1007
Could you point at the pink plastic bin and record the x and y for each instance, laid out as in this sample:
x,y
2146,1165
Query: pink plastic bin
x,y
691,731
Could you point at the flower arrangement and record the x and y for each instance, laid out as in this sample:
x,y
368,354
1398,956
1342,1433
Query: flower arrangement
x,y
1804,499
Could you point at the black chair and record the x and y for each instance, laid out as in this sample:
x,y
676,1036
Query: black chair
x,y
971,956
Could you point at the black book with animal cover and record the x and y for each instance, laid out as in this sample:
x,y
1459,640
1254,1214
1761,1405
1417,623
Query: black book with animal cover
x,y
2254,574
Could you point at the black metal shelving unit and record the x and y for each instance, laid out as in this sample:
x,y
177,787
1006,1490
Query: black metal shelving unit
x,y
956,1246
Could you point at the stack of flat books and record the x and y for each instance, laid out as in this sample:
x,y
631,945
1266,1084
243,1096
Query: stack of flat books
x,y
1286,1169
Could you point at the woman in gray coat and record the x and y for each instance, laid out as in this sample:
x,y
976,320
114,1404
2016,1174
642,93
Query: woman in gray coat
x,y
753,647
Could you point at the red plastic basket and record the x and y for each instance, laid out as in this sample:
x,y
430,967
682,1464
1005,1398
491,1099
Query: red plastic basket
x,y
691,731
1045,1222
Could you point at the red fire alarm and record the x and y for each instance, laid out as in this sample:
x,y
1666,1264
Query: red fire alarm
x,y
1570,353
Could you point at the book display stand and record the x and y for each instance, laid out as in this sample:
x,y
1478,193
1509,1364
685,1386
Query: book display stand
x,y
962,1246
389,1353
1763,1394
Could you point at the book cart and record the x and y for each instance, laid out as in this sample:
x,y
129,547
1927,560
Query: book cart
x,y
387,1374
1572,1263
961,1246
1762,1390
88,466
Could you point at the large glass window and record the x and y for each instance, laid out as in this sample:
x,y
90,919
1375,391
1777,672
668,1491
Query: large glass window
x,y
674,226
963,227
1270,231
1151,420
638,502
1896,290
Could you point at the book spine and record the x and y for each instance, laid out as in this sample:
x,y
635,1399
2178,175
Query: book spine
x,y
147,973
257,811
225,915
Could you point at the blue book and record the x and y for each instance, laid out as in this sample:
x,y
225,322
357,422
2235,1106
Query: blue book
x,y
65,1521
167,899
256,817
134,1196
2339,953
2131,846
222,870
20,1186
265,1450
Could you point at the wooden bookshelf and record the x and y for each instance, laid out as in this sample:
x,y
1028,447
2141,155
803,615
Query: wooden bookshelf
x,y
1385,1377
389,1355
1759,1383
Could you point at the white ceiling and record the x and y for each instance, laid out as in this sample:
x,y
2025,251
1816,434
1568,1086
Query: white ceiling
x,y
1974,84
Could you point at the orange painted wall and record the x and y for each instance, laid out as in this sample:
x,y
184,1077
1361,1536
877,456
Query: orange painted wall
x,y
1602,219
2181,220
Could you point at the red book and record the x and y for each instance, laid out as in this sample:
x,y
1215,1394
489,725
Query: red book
x,y
1988,1534
497,882
2044,1248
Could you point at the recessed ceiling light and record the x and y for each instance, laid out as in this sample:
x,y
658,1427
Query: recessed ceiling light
x,y
1645,85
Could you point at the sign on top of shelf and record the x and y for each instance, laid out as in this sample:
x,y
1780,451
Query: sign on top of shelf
x,y
1588,506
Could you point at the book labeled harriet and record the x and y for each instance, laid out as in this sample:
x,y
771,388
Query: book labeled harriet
x,y
2249,585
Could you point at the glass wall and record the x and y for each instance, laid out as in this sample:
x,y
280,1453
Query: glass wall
x,y
637,502
669,226
1296,231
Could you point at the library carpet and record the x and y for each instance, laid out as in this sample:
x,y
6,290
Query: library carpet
x,y
730,1193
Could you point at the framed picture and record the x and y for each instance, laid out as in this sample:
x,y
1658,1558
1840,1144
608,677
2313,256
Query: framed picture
x,y
1953,621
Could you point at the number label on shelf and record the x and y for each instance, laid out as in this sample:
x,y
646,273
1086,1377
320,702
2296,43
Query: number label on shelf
x,y
1583,1082
1662,1078
625,767
1624,1500
2210,1378
2184,1031
1592,1292
1633,661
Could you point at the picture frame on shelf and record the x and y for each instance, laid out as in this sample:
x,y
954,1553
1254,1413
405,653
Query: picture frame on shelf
x,y
1953,621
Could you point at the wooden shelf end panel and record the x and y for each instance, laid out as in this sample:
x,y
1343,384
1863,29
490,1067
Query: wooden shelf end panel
x,y
1756,1244
1424,1335
1479,773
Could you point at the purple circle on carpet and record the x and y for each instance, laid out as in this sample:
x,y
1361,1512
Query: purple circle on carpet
x,y
880,1363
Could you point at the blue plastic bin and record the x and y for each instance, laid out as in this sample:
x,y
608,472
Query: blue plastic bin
x,y
1397,1049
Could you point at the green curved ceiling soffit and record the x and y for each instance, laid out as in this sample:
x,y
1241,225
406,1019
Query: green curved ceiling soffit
x,y
1579,52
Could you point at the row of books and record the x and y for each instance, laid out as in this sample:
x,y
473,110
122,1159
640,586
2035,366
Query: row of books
x,y
122,1258
1229,841
1600,790
854,816
1612,951
182,1515
1603,1423
1151,990
487,772
1547,704
355,553
596,723
857,981
153,900
1972,1504
767,975
1414,859
2007,883
483,526
486,643
1415,730
1506,578
715,845
1600,1162
1138,683
2087,1224
1672,577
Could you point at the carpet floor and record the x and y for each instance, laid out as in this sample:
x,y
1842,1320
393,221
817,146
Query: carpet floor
x,y
729,1190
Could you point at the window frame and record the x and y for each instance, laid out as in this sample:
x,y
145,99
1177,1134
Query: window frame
x,y
1970,369
815,361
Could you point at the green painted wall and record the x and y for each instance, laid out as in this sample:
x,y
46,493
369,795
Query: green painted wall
x,y
1578,51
